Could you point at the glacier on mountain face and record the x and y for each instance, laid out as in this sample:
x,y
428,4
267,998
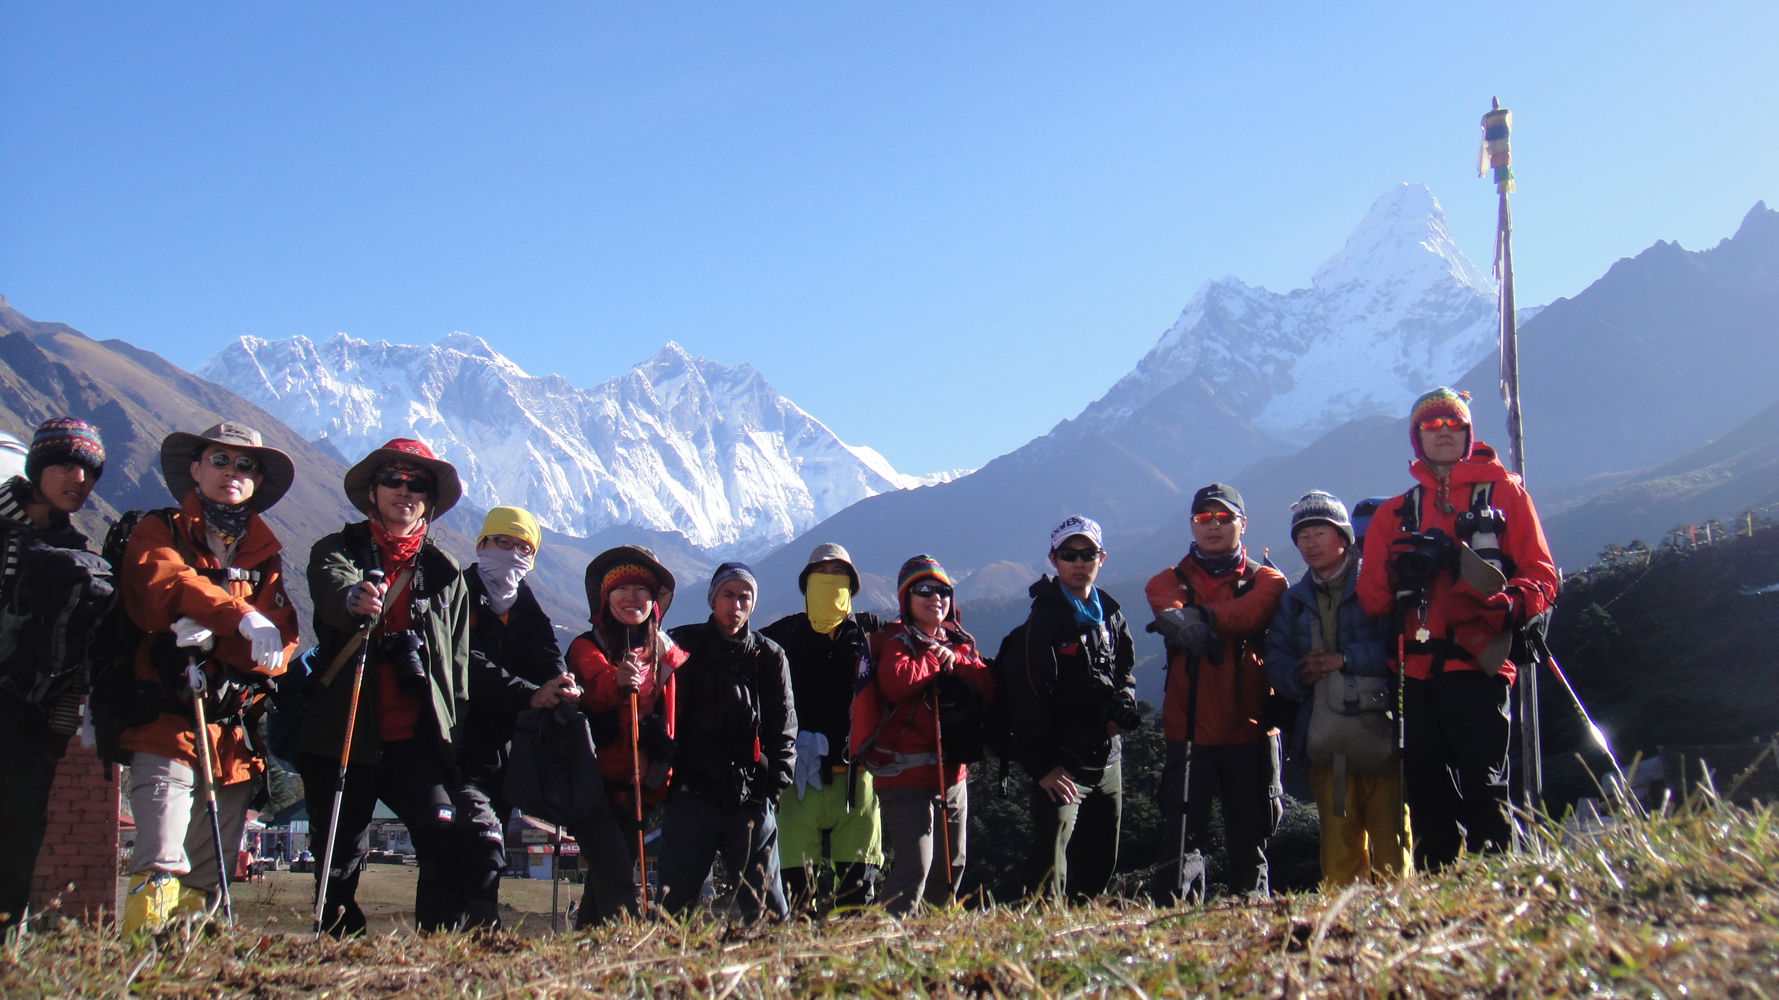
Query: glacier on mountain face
x,y
1398,310
677,444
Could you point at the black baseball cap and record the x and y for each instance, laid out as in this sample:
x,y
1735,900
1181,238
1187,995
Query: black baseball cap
x,y
1218,493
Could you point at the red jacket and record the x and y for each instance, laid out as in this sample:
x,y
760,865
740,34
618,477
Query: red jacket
x,y
1231,691
1455,611
598,677
159,587
902,677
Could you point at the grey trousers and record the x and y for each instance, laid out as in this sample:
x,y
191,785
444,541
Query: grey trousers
x,y
910,819
173,821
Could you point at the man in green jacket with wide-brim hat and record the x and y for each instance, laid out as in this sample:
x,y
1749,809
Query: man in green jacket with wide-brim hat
x,y
415,693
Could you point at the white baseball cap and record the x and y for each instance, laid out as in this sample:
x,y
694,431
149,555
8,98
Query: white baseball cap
x,y
1077,525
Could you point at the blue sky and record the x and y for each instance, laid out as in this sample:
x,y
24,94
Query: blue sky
x,y
939,227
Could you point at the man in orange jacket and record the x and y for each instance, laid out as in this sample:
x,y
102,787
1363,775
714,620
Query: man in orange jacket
x,y
205,584
1213,609
1458,562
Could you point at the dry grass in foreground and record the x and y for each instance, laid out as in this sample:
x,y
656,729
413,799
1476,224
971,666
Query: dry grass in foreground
x,y
1678,906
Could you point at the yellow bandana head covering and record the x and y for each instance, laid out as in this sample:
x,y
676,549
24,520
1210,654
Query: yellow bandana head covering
x,y
828,600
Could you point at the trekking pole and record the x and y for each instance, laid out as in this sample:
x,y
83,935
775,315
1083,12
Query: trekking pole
x,y
1186,875
333,815
642,860
555,886
944,814
194,676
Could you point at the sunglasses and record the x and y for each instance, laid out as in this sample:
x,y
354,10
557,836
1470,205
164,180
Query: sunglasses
x,y
1076,555
246,465
414,481
1441,423
930,589
1214,517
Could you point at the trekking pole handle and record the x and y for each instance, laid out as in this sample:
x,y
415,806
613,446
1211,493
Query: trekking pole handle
x,y
374,578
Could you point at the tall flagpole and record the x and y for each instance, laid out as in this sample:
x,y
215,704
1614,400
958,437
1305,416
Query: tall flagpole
x,y
1497,152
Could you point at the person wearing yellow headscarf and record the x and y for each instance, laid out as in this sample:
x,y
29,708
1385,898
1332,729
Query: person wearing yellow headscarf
x,y
825,643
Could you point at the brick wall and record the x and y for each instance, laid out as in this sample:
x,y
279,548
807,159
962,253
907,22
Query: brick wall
x,y
81,844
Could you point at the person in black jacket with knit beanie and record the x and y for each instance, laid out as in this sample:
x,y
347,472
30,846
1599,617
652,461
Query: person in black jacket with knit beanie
x,y
736,730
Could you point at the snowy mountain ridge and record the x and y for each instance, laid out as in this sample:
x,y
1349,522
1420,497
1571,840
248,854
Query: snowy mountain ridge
x,y
678,443
1396,310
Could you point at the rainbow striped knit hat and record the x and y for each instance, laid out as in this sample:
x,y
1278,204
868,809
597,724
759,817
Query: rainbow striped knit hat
x,y
921,567
1441,402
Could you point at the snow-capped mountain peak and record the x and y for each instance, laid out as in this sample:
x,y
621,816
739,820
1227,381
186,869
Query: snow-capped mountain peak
x,y
678,443
1397,310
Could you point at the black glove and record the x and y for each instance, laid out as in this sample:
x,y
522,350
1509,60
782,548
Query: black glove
x,y
1183,629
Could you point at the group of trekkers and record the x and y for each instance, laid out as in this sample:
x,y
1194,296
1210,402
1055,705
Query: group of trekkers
x,y
804,754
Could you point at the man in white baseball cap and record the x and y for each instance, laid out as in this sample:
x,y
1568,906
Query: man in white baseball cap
x,y
1071,698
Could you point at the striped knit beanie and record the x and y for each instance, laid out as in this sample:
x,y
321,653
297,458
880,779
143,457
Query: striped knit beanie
x,y
921,567
726,572
1317,507
1441,402
65,439
624,575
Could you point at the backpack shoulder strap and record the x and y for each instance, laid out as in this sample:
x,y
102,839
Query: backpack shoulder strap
x,y
1409,511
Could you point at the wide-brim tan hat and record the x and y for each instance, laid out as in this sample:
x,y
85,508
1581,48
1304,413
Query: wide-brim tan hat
x,y
446,488
825,552
618,556
178,449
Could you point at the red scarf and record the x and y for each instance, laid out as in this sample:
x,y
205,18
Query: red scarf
x,y
398,550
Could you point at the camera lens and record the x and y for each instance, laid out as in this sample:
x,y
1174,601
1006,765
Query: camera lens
x,y
401,653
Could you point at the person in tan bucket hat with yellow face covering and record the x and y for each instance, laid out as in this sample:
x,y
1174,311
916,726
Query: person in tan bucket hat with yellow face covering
x,y
827,801
205,583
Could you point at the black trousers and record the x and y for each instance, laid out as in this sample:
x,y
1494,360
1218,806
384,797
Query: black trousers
x,y
1455,765
412,781
27,775
1245,778
1075,847
607,838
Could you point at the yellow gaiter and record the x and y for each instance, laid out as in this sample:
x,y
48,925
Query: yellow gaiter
x,y
829,601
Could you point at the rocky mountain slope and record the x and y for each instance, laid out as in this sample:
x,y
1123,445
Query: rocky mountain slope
x,y
676,445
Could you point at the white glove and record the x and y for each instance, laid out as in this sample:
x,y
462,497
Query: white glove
x,y
190,633
811,748
268,643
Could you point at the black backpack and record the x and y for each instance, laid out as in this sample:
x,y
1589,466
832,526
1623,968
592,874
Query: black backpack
x,y
46,626
119,702
552,772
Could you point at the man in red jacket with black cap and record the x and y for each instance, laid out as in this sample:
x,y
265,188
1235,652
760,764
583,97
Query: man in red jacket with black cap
x,y
1459,561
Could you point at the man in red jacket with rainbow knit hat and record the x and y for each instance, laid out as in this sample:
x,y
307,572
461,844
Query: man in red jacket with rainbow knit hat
x,y
1460,560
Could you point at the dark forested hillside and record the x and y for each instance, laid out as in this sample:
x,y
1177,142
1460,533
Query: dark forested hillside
x,y
1669,649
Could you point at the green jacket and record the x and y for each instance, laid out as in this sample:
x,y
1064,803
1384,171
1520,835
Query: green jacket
x,y
337,563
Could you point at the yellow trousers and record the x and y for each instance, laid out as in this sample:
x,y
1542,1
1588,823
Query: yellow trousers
x,y
1369,843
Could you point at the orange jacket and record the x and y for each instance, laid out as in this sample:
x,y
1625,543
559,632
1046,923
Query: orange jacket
x,y
1455,611
1231,692
902,676
598,677
159,587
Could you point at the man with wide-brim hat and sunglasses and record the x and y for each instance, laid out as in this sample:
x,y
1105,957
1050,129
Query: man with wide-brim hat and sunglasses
x,y
415,694
205,583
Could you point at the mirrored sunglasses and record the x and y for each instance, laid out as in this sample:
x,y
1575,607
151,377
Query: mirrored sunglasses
x,y
246,465
929,589
1440,423
1214,517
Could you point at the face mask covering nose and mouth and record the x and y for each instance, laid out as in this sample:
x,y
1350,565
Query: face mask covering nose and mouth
x,y
828,600
501,571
